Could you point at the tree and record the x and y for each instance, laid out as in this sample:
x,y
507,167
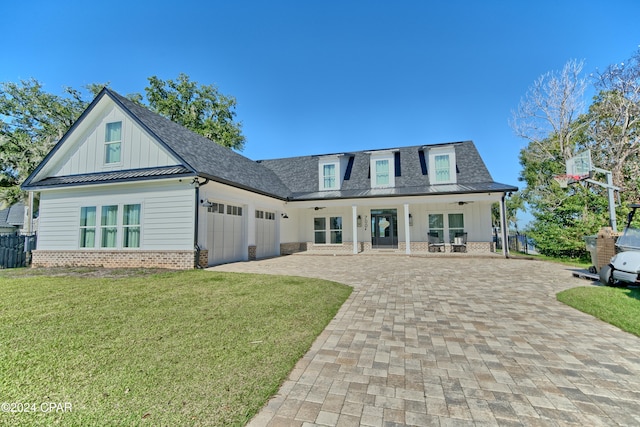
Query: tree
x,y
200,108
513,204
551,119
550,108
32,122
614,124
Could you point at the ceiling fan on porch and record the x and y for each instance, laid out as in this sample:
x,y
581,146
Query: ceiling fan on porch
x,y
317,208
461,203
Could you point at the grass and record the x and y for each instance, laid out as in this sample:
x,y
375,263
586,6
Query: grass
x,y
170,348
617,306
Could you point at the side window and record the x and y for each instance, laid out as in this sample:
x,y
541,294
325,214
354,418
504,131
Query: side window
x,y
113,142
131,226
88,227
109,226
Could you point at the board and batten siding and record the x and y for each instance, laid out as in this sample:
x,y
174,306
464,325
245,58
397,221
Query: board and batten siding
x,y
86,154
167,214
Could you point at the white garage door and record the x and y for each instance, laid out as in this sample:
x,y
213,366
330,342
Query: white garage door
x,y
226,233
266,234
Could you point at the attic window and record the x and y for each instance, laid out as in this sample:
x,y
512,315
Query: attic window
x,y
113,142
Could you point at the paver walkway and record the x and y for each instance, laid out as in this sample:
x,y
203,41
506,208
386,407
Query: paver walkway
x,y
454,342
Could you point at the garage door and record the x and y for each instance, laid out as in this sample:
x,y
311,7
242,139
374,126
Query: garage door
x,y
226,233
266,234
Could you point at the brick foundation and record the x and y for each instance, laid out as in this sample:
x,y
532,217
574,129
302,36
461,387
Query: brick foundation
x,y
292,248
176,260
252,252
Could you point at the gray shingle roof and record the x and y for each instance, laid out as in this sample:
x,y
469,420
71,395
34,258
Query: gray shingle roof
x,y
204,156
301,174
294,178
13,216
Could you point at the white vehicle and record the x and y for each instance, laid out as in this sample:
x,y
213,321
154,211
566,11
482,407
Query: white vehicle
x,y
624,267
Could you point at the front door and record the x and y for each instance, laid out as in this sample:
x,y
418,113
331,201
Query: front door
x,y
384,228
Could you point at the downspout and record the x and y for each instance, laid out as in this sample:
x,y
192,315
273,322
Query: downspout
x,y
503,226
196,260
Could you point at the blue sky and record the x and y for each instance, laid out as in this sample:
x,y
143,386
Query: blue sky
x,y
314,77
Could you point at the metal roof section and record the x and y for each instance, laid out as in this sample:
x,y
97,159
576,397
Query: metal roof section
x,y
448,189
112,177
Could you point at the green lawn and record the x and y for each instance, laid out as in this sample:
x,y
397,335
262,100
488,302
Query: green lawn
x,y
617,306
170,348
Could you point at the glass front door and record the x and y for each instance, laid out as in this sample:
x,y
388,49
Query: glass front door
x,y
384,228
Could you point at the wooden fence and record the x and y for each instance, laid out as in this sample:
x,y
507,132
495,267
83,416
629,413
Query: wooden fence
x,y
15,251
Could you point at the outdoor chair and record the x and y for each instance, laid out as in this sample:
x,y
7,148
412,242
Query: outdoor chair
x,y
459,243
436,243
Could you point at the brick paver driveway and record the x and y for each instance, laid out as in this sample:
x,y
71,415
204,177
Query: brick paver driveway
x,y
454,341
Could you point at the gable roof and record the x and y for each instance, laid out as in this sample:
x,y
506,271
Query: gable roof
x,y
199,155
294,178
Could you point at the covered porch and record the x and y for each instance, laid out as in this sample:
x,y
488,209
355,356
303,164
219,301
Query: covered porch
x,y
424,225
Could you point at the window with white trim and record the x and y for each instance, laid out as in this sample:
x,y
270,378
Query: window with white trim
x,y
109,226
446,225
442,165
131,226
113,142
329,174
88,227
382,170
327,230
102,226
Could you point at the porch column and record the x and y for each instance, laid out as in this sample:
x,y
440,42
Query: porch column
x,y
504,227
354,221
407,232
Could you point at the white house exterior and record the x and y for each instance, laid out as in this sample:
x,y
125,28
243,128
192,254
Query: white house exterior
x,y
127,187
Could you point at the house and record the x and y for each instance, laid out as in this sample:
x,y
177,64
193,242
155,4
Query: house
x,y
127,187
12,219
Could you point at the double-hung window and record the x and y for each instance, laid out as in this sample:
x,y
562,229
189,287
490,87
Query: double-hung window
x,y
88,227
320,231
382,169
113,142
442,165
131,226
382,172
329,176
109,226
436,224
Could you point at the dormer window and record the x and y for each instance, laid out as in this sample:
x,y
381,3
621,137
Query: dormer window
x,y
330,170
382,168
113,142
442,165
329,176
382,173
